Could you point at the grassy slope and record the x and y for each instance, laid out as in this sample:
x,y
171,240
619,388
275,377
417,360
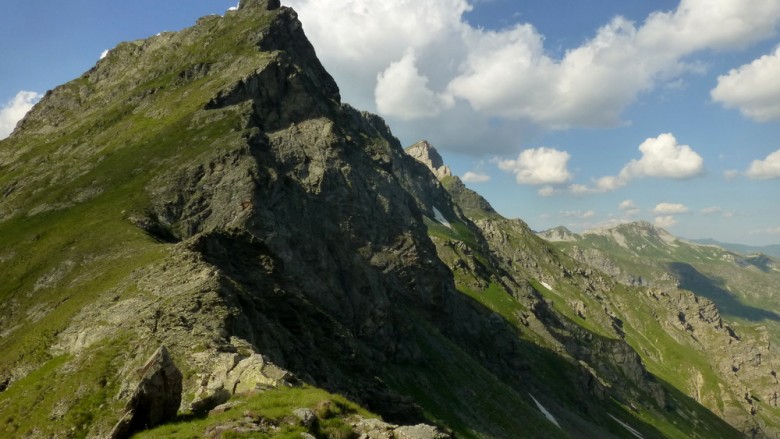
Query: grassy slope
x,y
686,416
66,239
272,409
742,294
689,418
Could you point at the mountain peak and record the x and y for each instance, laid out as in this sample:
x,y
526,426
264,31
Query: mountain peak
x,y
426,154
638,229
640,226
645,227
248,56
560,233
268,5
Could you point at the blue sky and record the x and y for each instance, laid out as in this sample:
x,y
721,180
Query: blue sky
x,y
580,113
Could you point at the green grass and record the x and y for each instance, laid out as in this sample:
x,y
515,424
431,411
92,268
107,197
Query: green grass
x,y
495,298
458,232
60,252
276,408
65,391
455,390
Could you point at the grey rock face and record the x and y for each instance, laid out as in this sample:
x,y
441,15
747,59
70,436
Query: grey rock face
x,y
370,428
306,416
420,431
426,154
157,397
235,375
268,5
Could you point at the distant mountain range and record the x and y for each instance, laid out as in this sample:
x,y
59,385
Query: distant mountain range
x,y
769,250
706,287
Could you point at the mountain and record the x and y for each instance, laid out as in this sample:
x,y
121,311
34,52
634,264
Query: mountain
x,y
769,250
700,279
199,239
559,233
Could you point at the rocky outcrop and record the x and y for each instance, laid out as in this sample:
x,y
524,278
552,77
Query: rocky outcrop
x,y
268,5
371,428
426,154
233,375
156,399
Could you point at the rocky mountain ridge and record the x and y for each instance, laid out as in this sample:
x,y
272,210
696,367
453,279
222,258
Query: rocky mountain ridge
x,y
208,191
687,316
716,286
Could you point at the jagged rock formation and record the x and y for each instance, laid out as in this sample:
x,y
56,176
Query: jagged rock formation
x,y
208,191
424,153
156,399
236,374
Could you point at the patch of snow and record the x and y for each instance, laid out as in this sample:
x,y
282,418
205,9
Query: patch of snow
x,y
104,53
627,427
546,285
545,412
440,218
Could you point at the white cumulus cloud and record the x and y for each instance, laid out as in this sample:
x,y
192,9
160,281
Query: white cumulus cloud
x,y
753,88
662,157
629,208
549,191
765,169
510,74
538,166
15,109
359,39
670,208
401,91
665,222
475,177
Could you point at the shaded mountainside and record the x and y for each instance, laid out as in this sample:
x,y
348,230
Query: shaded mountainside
x,y
207,191
703,287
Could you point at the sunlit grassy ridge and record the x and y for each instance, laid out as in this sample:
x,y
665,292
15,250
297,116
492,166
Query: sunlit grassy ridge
x,y
73,176
273,410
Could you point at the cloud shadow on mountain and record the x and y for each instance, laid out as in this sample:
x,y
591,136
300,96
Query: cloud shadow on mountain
x,y
713,289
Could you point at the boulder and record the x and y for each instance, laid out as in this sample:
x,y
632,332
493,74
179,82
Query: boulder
x,y
236,374
420,431
306,416
156,399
